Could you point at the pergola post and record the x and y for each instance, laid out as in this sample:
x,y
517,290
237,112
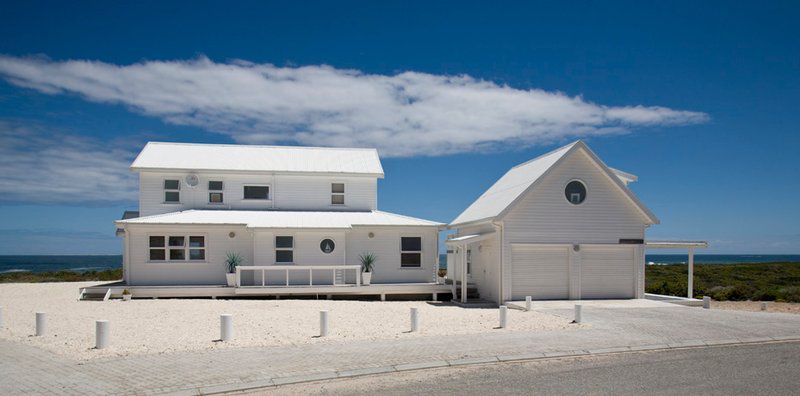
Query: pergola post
x,y
464,274
690,281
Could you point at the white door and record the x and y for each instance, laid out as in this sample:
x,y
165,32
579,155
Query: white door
x,y
607,271
541,272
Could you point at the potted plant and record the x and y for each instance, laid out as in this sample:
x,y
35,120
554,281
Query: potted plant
x,y
367,261
442,273
126,295
232,260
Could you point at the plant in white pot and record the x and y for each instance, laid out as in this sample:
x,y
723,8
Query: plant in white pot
x,y
367,262
232,260
126,295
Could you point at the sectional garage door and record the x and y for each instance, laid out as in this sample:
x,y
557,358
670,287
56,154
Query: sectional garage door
x,y
541,272
607,271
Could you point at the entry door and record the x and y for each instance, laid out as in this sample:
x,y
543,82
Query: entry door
x,y
607,271
541,272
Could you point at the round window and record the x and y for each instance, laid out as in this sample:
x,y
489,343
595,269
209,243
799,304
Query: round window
x,y
575,192
327,246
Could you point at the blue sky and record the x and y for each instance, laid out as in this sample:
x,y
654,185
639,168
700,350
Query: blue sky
x,y
699,101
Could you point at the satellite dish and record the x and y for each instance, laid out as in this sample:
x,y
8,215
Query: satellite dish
x,y
192,180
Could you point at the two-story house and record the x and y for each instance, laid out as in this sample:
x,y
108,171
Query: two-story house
x,y
298,216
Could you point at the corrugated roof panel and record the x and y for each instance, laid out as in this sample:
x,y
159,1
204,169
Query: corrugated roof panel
x,y
231,157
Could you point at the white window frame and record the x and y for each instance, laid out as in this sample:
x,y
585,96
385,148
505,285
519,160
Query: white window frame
x,y
421,248
336,194
291,249
186,247
585,187
269,192
166,190
221,191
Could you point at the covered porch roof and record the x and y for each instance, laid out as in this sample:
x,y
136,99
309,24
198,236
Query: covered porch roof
x,y
467,239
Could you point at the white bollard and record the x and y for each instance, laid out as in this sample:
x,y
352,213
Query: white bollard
x,y
323,323
578,313
101,334
41,323
1,317
706,302
225,327
414,320
503,316
763,308
528,303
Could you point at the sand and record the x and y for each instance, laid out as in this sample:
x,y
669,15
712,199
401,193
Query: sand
x,y
169,325
772,306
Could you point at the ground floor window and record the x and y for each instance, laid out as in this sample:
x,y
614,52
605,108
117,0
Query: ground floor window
x,y
410,252
176,248
284,249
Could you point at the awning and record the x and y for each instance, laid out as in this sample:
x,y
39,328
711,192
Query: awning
x,y
465,239
675,244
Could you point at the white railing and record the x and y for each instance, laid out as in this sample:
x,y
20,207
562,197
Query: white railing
x,y
287,269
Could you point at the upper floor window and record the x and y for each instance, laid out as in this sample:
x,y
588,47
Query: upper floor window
x,y
172,191
410,252
284,249
256,192
215,192
337,193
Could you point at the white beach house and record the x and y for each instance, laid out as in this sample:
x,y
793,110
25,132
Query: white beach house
x,y
300,217
561,226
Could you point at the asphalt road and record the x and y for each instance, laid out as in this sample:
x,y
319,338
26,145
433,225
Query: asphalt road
x,y
764,369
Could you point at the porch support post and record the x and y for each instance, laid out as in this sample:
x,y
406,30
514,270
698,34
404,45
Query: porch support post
x,y
690,281
464,273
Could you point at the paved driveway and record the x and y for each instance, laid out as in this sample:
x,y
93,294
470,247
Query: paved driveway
x,y
609,329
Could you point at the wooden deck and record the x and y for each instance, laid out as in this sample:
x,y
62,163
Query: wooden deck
x,y
212,291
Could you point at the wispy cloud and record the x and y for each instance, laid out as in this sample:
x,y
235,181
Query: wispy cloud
x,y
39,165
403,115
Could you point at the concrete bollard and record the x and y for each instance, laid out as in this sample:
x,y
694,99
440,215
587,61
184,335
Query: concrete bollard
x,y
528,303
102,334
706,302
578,313
323,323
503,316
226,327
41,323
414,320
1,317
763,308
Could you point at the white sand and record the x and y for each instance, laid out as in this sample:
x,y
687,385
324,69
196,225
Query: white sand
x,y
158,326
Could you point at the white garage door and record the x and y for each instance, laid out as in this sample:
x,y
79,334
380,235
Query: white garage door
x,y
541,272
607,271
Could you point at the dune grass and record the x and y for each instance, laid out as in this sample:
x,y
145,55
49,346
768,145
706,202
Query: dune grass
x,y
61,276
730,282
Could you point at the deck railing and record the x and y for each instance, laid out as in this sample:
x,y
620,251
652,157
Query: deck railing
x,y
283,272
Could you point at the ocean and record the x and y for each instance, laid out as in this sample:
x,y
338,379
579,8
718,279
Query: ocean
x,y
662,259
99,263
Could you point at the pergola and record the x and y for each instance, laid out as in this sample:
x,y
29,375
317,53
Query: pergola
x,y
461,244
690,246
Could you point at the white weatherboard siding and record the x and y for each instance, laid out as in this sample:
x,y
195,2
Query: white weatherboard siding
x,y
385,244
141,271
287,192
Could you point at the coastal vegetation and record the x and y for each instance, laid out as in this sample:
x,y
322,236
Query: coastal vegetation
x,y
61,276
729,282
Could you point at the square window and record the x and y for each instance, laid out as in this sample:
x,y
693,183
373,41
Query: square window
x,y
158,254
411,244
197,254
172,196
157,241
337,188
215,186
215,197
177,254
284,242
177,241
172,184
197,241
256,192
337,199
410,259
284,256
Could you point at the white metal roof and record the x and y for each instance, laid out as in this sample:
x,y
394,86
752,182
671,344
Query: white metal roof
x,y
675,244
249,158
500,196
469,238
282,219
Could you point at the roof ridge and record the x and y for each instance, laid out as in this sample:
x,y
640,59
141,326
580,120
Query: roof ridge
x,y
566,146
262,146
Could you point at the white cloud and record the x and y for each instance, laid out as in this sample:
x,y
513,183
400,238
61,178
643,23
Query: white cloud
x,y
43,166
403,115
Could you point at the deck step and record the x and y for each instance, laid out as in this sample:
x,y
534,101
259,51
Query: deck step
x,y
93,296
